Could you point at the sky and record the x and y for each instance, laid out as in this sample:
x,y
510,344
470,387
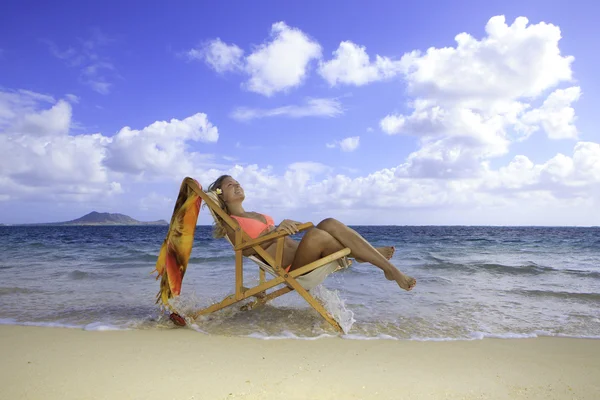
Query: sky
x,y
387,113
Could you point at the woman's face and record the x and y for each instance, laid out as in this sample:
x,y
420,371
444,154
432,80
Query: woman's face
x,y
232,191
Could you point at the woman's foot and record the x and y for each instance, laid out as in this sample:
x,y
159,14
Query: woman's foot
x,y
177,319
404,281
387,252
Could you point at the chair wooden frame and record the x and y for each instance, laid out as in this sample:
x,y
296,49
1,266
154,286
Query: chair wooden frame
x,y
243,242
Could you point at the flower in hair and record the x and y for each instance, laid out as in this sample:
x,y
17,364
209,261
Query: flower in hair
x,y
219,191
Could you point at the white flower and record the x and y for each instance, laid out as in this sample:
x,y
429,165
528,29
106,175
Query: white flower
x,y
219,191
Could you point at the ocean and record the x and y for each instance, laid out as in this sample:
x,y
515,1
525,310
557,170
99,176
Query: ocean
x,y
472,283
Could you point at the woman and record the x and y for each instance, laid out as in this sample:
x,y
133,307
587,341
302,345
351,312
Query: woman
x,y
326,238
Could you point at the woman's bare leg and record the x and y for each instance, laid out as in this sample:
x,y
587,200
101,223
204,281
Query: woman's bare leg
x,y
363,250
386,251
315,244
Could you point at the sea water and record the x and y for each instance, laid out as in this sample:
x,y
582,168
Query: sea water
x,y
472,282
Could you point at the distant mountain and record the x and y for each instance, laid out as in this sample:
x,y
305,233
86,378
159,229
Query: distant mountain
x,y
96,218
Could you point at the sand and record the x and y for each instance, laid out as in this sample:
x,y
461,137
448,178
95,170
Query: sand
x,y
61,363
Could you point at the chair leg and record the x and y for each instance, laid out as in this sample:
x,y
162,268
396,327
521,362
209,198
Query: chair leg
x,y
260,301
291,284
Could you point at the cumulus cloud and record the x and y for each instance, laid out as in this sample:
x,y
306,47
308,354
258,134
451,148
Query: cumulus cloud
x,y
14,104
561,176
556,116
55,121
40,158
220,56
470,102
159,148
347,144
392,124
82,168
513,61
282,63
37,151
312,108
351,66
279,64
561,183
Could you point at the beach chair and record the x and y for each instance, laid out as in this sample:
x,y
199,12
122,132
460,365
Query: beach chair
x,y
176,249
301,280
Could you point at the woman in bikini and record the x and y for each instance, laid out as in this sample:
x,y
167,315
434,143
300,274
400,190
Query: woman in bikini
x,y
326,238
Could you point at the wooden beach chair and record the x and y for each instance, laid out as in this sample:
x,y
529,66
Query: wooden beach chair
x,y
176,250
301,280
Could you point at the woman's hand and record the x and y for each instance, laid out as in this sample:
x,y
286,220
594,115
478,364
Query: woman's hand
x,y
289,226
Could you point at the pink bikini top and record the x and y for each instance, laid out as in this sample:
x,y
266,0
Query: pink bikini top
x,y
252,226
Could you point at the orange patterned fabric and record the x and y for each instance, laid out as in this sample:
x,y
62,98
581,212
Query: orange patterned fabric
x,y
177,246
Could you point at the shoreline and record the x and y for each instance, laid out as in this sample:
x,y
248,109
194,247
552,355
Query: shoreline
x,y
475,336
50,363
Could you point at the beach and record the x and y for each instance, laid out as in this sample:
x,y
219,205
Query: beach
x,y
61,363
498,313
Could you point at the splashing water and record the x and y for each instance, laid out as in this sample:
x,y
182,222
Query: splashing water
x,y
336,306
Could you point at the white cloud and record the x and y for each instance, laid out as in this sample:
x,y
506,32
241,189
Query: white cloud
x,y
513,61
160,148
312,108
469,104
501,196
55,121
221,56
40,157
561,176
351,66
14,104
392,124
36,150
57,165
347,144
282,63
18,110
350,143
277,65
556,116
472,101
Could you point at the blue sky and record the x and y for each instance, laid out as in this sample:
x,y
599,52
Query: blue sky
x,y
499,130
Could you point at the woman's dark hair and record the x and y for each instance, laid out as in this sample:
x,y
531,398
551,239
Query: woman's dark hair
x,y
218,183
218,229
